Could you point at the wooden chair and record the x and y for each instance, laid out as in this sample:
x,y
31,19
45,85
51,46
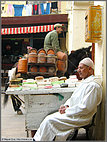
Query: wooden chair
x,y
86,127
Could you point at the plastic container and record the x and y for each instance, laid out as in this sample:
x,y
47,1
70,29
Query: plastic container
x,y
41,51
51,58
22,65
33,69
50,51
43,69
51,69
61,65
33,50
32,58
61,56
41,58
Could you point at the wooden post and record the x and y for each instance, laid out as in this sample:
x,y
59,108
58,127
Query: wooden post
x,y
93,52
31,41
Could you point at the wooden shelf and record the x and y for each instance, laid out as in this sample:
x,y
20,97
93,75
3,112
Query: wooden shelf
x,y
38,65
42,64
45,74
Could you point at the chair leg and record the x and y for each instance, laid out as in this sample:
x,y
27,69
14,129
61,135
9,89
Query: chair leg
x,y
87,134
54,138
72,136
27,133
75,135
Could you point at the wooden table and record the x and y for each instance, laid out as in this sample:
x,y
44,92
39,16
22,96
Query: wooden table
x,y
41,91
41,102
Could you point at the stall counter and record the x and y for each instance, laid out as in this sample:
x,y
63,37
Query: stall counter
x,y
41,102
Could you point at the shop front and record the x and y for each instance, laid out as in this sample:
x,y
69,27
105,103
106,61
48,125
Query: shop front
x,y
20,32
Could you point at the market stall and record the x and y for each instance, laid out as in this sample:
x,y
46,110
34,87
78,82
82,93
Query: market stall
x,y
44,91
43,96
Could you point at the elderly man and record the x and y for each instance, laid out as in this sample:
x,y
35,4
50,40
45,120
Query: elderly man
x,y
77,111
51,39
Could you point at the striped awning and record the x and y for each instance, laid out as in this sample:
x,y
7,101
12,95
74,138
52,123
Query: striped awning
x,y
27,30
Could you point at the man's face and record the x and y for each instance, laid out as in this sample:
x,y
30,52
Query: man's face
x,y
84,71
59,30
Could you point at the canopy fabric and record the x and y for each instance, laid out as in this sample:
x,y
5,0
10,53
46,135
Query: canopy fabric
x,y
27,30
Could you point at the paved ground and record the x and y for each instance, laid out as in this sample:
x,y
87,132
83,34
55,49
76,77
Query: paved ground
x,y
13,125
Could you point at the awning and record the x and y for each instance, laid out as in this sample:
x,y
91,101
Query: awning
x,y
27,30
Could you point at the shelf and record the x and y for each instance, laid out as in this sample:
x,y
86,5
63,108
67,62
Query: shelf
x,y
45,74
42,64
41,73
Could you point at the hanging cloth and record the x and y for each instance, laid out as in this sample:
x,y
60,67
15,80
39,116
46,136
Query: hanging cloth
x,y
54,5
43,11
24,11
10,7
39,9
28,9
37,12
5,7
34,9
18,9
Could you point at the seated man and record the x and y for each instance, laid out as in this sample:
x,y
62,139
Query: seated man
x,y
77,111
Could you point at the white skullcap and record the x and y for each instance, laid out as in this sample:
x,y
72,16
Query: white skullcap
x,y
88,62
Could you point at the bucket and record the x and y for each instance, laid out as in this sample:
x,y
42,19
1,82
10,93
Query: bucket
x,y
33,69
51,58
42,69
61,56
51,51
22,65
32,58
33,50
41,58
61,65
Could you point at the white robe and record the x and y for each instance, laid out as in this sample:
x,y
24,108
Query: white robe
x,y
11,73
82,106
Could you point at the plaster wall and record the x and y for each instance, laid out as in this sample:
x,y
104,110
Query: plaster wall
x,y
100,70
78,22
76,40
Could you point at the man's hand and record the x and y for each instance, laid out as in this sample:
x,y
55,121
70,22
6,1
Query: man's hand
x,y
62,109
